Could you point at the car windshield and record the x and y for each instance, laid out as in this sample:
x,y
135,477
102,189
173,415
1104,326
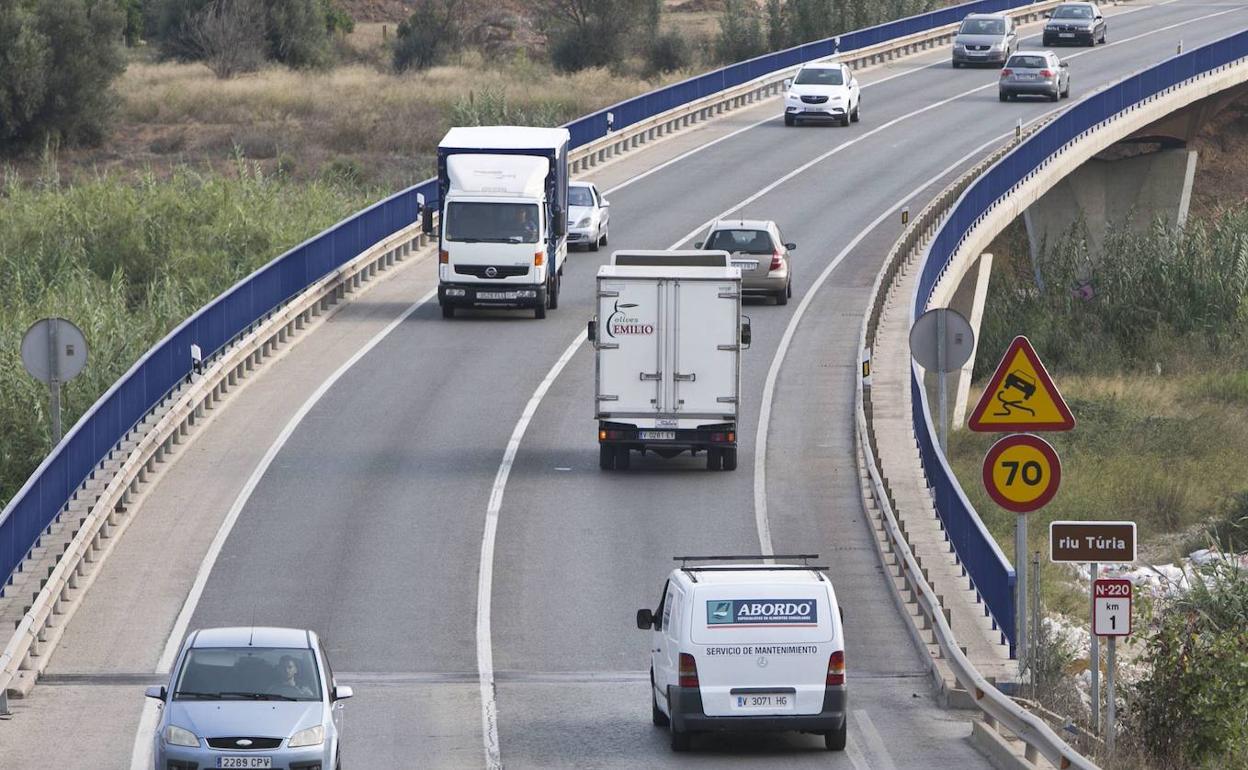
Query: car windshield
x,y
248,673
740,241
983,27
580,196
819,76
1027,62
1072,12
491,222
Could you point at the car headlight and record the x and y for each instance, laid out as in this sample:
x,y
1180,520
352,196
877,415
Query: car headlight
x,y
177,736
584,222
959,47
836,99
313,736
995,47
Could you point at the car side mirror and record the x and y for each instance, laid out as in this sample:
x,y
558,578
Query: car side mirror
x,y
790,246
1065,64
645,620
591,330
561,223
342,692
155,692
747,333
1048,14
698,244
788,82
426,220
606,204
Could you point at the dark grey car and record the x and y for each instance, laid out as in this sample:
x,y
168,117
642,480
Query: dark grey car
x,y
985,38
1035,73
1076,24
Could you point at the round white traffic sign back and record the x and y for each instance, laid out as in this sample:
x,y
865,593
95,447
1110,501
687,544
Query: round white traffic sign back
x,y
54,348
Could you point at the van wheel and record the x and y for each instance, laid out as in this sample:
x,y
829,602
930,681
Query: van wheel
x,y
714,459
623,458
835,739
680,741
729,459
606,457
448,311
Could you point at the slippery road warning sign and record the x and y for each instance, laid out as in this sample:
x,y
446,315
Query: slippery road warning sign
x,y
1022,473
1111,607
1020,396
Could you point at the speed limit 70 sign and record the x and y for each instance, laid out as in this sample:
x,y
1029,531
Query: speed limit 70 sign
x,y
1022,473
1111,607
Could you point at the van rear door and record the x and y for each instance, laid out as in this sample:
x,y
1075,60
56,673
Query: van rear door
x,y
705,347
763,650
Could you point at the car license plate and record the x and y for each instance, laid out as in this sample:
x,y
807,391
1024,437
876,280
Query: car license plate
x,y
1025,76
657,435
763,701
1065,34
496,295
745,264
245,762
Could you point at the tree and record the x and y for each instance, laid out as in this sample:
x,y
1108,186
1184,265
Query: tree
x,y
778,35
229,36
593,33
740,31
58,59
297,32
423,41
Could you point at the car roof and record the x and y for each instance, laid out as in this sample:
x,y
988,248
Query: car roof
x,y
821,65
985,16
580,184
252,636
728,574
742,224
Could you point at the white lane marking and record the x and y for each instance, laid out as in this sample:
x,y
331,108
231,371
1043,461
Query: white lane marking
x,y
875,744
485,574
854,751
141,754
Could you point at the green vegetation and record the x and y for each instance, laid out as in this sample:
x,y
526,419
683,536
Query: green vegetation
x,y
127,260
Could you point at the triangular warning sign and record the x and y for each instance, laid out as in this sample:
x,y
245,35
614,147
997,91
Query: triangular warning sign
x,y
1020,396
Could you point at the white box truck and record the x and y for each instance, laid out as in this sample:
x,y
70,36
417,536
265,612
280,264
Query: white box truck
x,y
502,240
667,337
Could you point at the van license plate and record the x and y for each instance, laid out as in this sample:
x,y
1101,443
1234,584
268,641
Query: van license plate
x,y
763,702
245,762
496,295
657,435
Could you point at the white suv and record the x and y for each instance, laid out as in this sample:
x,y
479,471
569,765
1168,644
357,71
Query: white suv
x,y
822,91
739,645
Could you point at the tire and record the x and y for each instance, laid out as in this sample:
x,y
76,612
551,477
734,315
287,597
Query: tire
x,y
448,311
595,245
680,741
845,121
1054,96
623,457
714,459
656,716
957,65
554,291
606,457
730,459
605,233
539,310
789,120
1003,96
835,740
788,288
855,116
1066,93
782,296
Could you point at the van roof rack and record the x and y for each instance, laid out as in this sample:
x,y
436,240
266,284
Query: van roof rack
x,y
803,567
805,557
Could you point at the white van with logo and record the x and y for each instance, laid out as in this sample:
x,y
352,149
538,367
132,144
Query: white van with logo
x,y
741,645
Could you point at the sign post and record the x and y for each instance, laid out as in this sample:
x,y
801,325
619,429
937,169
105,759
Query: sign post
x,y
942,341
54,351
1021,472
1111,617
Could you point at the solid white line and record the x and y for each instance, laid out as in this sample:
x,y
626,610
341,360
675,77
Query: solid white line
x,y
485,574
854,752
141,755
875,743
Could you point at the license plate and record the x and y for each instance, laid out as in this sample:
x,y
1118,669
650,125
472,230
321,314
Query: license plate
x,y
745,264
1065,34
657,435
763,702
1022,76
245,762
496,295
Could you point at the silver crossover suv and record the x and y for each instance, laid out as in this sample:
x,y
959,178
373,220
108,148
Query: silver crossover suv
x,y
984,38
250,698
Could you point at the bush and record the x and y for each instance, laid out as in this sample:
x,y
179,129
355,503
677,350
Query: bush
x,y
667,52
428,35
595,33
740,32
297,32
58,59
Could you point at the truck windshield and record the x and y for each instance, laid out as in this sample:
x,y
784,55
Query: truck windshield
x,y
491,223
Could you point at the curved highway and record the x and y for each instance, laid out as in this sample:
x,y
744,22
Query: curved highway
x,y
396,510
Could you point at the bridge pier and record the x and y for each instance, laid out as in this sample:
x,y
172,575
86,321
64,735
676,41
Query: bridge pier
x,y
1130,192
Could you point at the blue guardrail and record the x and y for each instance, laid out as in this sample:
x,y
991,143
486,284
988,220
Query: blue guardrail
x,y
986,566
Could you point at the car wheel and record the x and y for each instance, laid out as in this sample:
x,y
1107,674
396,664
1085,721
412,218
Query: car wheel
x,y
1104,35
604,237
729,460
856,115
448,311
844,120
596,242
623,457
714,459
1003,96
782,296
788,288
1054,96
835,740
606,457
789,120
957,65
1066,93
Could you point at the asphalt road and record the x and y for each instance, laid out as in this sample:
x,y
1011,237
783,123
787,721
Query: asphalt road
x,y
369,525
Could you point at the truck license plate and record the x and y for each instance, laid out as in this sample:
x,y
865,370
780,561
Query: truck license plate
x,y
496,295
245,762
657,435
763,701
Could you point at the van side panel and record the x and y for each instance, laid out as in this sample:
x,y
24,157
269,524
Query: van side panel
x,y
630,346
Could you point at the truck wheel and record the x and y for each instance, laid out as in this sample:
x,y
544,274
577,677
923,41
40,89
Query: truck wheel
x,y
554,291
623,455
729,460
448,311
714,459
606,457
539,309
835,739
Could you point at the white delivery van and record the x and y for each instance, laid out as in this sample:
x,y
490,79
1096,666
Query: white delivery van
x,y
741,645
667,340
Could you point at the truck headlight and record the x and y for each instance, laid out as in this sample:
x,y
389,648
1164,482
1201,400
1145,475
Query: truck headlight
x,y
313,736
178,736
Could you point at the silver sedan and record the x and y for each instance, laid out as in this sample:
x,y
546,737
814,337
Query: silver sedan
x,y
1034,73
589,216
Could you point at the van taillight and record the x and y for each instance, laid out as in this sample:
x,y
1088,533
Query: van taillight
x,y
836,668
688,671
775,260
